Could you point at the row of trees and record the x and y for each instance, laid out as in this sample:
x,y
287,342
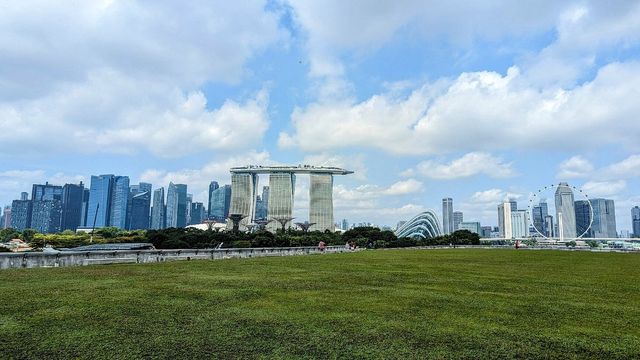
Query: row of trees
x,y
175,238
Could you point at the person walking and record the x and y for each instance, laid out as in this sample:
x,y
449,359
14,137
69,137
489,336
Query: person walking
x,y
321,245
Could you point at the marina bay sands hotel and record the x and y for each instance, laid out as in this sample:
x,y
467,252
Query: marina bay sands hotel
x,y
282,180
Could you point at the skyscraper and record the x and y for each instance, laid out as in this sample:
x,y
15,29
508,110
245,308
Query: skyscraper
x,y
504,220
549,226
565,211
219,204
140,200
21,214
321,202
176,205
447,216
188,210
539,213
519,223
243,196
197,213
46,216
119,202
635,221
604,218
72,200
213,186
46,213
85,207
281,194
24,195
262,203
98,209
6,218
158,212
458,217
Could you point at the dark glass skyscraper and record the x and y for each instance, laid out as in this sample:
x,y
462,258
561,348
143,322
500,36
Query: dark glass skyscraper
x,y
604,218
539,213
72,203
21,214
46,216
139,207
220,203
46,192
197,213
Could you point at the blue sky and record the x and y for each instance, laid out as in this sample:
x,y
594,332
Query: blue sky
x,y
476,101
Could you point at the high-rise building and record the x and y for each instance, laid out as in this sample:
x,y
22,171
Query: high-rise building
x,y
72,203
458,217
213,186
281,194
21,214
447,216
539,213
158,211
321,202
220,203
262,204
635,221
604,218
6,217
549,226
176,205
565,211
504,220
119,202
243,195
140,206
486,231
197,213
45,192
98,208
345,225
472,226
519,224
46,216
85,207
24,195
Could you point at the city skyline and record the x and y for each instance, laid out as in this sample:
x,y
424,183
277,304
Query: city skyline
x,y
423,102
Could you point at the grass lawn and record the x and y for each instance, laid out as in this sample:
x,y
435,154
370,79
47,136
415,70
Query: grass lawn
x,y
370,304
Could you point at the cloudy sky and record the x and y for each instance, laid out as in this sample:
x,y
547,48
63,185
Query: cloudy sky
x,y
470,100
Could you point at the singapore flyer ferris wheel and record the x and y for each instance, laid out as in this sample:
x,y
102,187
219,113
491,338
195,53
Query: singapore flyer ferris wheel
x,y
573,215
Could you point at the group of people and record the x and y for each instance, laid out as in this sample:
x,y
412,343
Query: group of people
x,y
349,245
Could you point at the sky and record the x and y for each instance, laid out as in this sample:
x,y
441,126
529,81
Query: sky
x,y
473,100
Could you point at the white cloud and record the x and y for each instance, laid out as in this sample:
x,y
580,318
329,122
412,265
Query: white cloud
x,y
125,76
470,164
603,188
479,111
575,167
405,187
629,167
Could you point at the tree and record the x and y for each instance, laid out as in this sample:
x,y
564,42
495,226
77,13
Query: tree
x,y
28,234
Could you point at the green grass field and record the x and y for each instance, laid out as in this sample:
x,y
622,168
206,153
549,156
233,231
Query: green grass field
x,y
370,304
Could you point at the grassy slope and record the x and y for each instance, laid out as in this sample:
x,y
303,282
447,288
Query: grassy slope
x,y
394,304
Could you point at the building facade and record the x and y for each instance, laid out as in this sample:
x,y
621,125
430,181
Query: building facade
x,y
243,196
158,211
176,205
21,214
98,209
458,217
565,211
635,221
447,215
281,192
472,226
46,216
519,224
604,218
220,203
119,202
321,202
72,203
504,220
213,186
139,207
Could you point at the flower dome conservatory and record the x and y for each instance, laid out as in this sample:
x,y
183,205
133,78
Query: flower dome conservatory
x,y
424,225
